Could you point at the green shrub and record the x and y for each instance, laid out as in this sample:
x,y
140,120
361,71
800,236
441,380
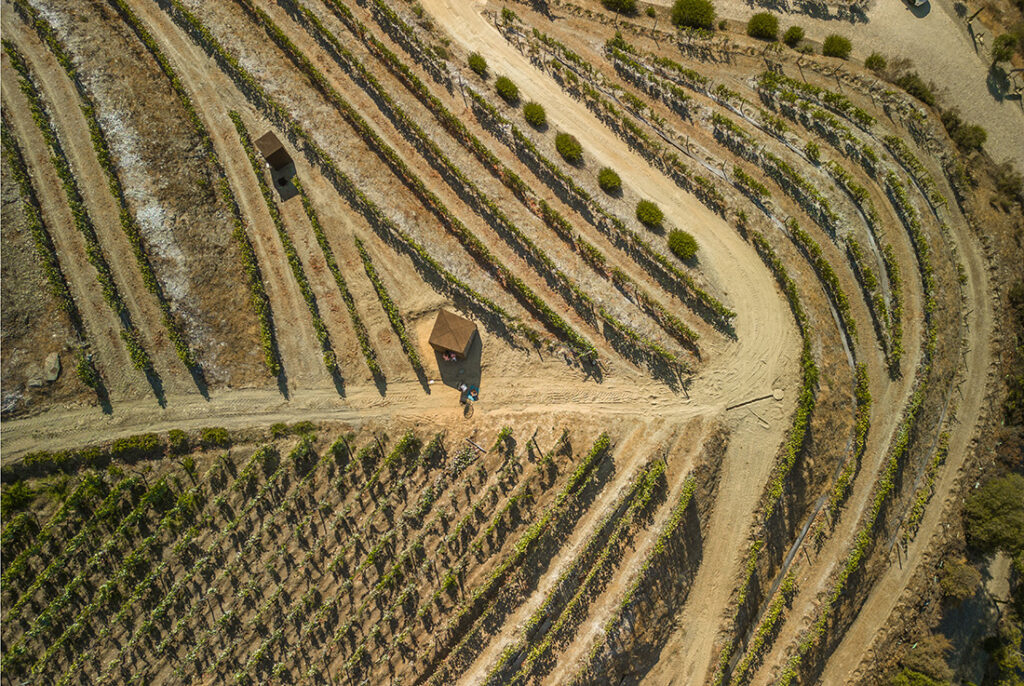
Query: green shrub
x,y
699,14
535,115
682,244
624,6
876,62
994,515
967,136
177,442
722,25
214,437
649,214
1003,48
478,64
137,447
805,49
651,12
913,84
763,25
278,430
836,46
508,91
609,181
569,148
793,36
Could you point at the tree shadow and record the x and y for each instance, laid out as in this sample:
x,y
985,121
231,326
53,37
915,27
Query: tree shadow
x,y
998,82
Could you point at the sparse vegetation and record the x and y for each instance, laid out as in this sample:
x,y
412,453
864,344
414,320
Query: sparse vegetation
x,y
876,62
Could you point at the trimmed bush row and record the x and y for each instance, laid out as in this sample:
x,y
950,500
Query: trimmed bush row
x,y
828,277
750,185
902,152
886,482
369,354
568,580
102,150
924,493
765,629
94,252
473,609
513,234
330,359
837,102
862,421
344,184
46,253
654,562
791,449
394,316
540,660
653,151
454,225
250,267
538,206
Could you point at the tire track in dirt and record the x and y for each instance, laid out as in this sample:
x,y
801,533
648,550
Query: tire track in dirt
x,y
75,139
212,95
103,328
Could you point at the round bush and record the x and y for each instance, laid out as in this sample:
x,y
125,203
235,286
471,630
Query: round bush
x,y
508,91
609,181
682,244
699,14
569,148
477,63
649,214
875,62
836,46
763,25
624,6
1003,48
534,114
793,36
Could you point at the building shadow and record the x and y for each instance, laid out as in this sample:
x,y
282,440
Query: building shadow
x,y
465,371
282,179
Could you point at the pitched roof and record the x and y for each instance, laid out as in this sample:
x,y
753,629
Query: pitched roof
x,y
452,332
272,150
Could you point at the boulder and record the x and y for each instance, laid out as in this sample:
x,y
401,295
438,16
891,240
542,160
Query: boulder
x,y
51,369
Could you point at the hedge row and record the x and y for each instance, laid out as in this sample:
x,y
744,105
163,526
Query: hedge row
x,y
46,253
791,449
369,354
102,149
250,266
454,225
655,153
885,485
513,234
394,316
607,223
94,252
258,169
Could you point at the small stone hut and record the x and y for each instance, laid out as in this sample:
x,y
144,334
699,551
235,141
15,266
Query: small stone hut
x,y
273,151
452,334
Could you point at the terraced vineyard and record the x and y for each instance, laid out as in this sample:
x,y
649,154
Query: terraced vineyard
x,y
231,456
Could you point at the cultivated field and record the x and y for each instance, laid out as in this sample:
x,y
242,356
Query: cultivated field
x,y
231,456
